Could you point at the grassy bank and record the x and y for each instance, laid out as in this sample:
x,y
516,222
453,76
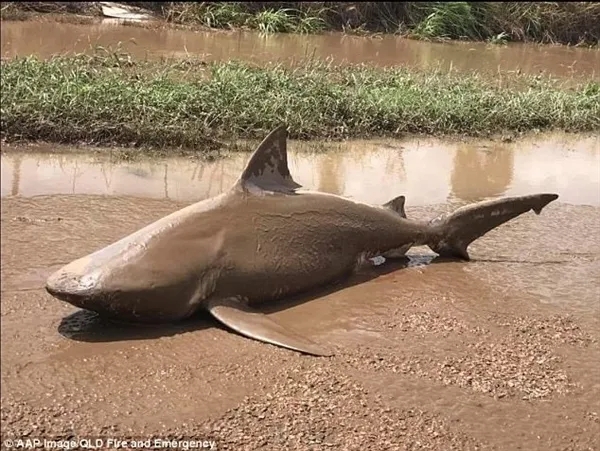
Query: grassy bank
x,y
108,99
545,22
569,23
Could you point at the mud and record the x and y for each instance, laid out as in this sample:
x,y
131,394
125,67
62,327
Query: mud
x,y
47,38
497,353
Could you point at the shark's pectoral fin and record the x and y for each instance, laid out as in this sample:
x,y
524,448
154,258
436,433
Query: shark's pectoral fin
x,y
250,323
399,252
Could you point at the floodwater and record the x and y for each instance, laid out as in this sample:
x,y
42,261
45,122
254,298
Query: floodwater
x,y
45,38
515,327
498,353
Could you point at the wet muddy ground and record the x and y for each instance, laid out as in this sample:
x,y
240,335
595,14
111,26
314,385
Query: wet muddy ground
x,y
498,353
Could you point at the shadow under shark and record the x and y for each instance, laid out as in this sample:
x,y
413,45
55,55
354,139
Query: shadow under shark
x,y
262,241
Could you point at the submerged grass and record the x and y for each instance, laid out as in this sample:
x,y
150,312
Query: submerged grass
x,y
111,99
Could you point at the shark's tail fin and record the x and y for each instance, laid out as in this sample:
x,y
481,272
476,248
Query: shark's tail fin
x,y
454,232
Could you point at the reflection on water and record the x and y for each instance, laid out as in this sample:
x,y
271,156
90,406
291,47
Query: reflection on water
x,y
49,38
427,171
478,173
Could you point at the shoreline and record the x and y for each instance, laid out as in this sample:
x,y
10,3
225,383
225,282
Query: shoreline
x,y
230,147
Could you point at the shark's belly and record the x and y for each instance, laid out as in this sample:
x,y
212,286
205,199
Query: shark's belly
x,y
258,287
279,268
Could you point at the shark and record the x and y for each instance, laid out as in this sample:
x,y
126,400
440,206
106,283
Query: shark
x,y
262,240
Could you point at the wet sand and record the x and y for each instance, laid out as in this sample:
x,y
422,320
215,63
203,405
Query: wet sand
x,y
498,353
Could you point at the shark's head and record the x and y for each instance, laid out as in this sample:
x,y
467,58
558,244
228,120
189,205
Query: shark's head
x,y
123,282
81,285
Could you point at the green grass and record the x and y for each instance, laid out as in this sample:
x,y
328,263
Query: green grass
x,y
110,99
449,20
546,22
266,19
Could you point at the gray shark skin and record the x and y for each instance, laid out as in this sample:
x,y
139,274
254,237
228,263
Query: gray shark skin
x,y
260,241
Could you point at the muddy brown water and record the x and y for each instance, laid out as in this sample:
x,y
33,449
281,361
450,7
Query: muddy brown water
x,y
449,354
427,170
46,38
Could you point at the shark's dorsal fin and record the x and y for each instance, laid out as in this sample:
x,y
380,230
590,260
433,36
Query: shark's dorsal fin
x,y
268,169
397,205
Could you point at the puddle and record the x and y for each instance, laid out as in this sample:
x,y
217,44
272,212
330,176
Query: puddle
x,y
427,171
49,38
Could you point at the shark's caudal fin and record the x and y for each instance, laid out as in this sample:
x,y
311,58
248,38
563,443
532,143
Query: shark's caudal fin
x,y
268,169
454,232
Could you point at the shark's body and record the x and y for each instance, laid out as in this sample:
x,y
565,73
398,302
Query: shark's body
x,y
260,241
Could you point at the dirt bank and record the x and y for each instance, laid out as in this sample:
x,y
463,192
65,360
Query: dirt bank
x,y
499,353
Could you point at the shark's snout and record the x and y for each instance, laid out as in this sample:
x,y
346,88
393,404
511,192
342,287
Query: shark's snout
x,y
91,291
71,287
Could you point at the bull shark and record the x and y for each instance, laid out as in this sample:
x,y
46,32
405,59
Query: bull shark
x,y
262,240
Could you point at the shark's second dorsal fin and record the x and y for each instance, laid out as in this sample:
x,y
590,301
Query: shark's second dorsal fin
x,y
397,205
268,169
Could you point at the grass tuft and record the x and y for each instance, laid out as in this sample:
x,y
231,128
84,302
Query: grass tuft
x,y
449,20
238,15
